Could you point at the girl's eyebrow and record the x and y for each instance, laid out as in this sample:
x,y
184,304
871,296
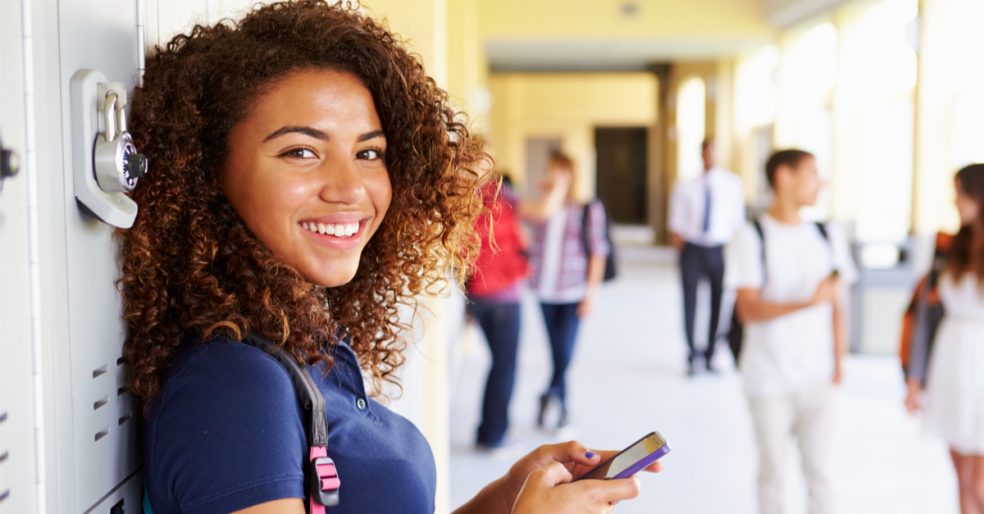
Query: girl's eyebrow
x,y
318,134
307,131
371,135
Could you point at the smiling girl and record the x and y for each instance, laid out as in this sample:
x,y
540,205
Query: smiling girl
x,y
309,180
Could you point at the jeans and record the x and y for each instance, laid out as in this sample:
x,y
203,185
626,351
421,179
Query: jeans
x,y
562,323
500,324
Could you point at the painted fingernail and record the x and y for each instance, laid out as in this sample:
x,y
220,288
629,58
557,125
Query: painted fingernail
x,y
590,455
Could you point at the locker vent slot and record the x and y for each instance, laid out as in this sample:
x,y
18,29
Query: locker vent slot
x,y
4,495
122,390
4,456
124,419
98,372
100,403
102,433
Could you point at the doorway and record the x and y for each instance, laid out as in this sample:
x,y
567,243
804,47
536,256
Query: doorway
x,y
622,157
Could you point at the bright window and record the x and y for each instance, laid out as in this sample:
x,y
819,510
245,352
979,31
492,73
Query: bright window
x,y
690,127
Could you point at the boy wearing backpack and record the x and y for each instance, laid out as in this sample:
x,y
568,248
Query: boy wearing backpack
x,y
790,276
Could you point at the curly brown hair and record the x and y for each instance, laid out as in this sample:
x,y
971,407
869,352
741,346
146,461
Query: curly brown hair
x,y
190,265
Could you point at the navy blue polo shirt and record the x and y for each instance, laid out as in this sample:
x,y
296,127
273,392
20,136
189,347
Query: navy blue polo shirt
x,y
226,433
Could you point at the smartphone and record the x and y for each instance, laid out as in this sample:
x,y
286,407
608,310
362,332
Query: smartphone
x,y
631,460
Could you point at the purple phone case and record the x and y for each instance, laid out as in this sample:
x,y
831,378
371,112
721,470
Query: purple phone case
x,y
638,466
644,463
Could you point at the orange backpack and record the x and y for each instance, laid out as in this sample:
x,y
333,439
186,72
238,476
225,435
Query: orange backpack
x,y
923,314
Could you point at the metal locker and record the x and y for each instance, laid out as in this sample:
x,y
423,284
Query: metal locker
x,y
91,453
17,436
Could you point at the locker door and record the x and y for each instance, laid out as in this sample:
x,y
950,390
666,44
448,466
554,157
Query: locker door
x,y
17,466
92,461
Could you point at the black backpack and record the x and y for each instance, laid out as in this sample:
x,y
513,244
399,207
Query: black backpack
x,y
611,266
736,333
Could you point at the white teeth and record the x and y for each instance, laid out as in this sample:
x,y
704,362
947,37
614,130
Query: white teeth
x,y
340,230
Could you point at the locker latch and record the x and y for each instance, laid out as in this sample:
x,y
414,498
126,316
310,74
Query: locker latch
x,y
106,164
9,163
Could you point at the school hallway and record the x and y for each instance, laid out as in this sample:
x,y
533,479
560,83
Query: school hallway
x,y
628,379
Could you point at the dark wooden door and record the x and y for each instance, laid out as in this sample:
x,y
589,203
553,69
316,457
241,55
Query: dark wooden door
x,y
622,154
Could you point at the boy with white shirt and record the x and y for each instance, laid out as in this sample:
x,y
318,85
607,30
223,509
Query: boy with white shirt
x,y
790,299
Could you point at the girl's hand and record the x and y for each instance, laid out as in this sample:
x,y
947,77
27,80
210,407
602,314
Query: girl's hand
x,y
586,307
550,489
573,456
912,397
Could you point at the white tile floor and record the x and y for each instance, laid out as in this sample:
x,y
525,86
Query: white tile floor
x,y
627,379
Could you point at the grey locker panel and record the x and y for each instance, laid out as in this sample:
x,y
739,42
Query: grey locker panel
x,y
126,499
17,435
102,414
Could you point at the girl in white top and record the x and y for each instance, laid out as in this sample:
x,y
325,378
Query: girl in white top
x,y
954,400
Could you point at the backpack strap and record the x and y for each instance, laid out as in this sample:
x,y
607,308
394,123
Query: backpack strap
x,y
940,252
757,225
822,228
585,213
323,481
825,233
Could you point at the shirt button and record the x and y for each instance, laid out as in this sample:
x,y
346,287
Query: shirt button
x,y
360,404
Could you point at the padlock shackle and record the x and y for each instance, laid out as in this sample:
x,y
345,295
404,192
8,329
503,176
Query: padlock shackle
x,y
110,116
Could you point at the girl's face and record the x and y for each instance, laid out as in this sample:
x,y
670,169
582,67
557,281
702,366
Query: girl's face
x,y
306,172
967,206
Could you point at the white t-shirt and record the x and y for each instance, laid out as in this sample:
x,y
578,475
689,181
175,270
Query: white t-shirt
x,y
794,351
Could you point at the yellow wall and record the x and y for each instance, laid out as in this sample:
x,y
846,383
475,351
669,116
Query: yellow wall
x,y
949,107
602,18
568,106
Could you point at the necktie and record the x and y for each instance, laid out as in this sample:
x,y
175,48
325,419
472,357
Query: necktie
x,y
707,207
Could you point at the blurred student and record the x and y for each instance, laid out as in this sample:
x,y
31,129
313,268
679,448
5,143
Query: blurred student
x,y
705,213
566,272
494,292
789,274
954,401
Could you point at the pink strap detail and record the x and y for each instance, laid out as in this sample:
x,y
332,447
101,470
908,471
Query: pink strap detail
x,y
327,470
327,476
318,451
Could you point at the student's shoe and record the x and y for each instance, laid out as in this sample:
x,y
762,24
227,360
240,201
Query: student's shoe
x,y
564,420
710,368
541,415
494,451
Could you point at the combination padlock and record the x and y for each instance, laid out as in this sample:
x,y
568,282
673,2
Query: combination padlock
x,y
116,160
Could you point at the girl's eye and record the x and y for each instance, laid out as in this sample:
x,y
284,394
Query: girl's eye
x,y
371,154
299,153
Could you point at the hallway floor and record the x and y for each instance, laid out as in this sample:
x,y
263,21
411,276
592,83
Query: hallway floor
x,y
627,379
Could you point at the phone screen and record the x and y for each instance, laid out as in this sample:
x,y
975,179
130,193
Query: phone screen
x,y
642,451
